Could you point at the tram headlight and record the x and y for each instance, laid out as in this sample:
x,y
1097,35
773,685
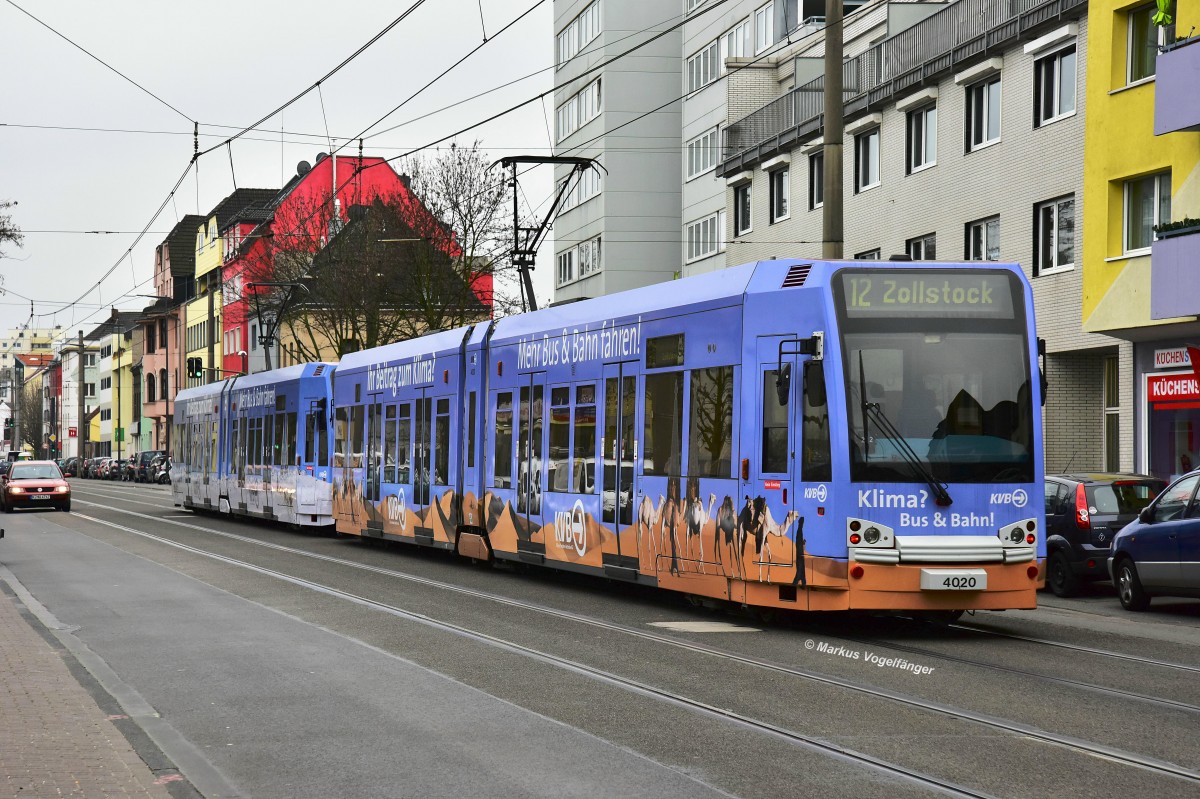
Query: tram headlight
x,y
871,536
1016,535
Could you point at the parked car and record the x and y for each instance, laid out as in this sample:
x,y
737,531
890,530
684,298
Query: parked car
x,y
141,464
102,468
70,467
162,471
116,469
1084,512
84,465
33,484
1158,554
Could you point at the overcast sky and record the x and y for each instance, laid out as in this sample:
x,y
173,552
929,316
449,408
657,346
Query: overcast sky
x,y
226,63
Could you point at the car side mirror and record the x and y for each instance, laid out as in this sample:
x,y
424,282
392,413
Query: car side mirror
x,y
1146,516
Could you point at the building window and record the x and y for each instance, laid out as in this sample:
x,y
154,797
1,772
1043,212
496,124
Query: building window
x,y
983,240
150,395
579,33
922,139
704,67
1112,415
89,389
1054,87
586,186
764,27
736,43
1054,236
780,191
579,110
922,248
741,209
566,266
1144,40
866,160
869,255
983,113
816,181
702,153
1147,203
706,236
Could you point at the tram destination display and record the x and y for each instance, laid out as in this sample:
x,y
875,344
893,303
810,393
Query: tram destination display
x,y
880,293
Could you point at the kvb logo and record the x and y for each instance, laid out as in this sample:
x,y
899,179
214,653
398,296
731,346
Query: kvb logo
x,y
397,510
570,528
816,492
1017,498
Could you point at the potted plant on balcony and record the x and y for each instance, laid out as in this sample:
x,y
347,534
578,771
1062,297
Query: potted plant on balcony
x,y
1180,228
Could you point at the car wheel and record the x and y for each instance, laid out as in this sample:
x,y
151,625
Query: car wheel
x,y
67,508
1059,577
1129,587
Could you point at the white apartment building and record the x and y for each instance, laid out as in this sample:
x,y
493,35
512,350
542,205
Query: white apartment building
x,y
620,228
67,349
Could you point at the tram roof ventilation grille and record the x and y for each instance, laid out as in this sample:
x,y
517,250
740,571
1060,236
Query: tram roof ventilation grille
x,y
796,276
319,370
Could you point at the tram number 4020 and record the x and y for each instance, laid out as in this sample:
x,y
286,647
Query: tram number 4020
x,y
953,579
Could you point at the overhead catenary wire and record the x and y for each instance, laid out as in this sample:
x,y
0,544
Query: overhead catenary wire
x,y
99,60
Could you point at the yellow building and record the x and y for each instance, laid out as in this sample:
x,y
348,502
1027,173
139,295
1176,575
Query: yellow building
x,y
1142,172
203,337
123,420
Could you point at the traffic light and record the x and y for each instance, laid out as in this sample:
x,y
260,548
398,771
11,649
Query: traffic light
x,y
195,368
8,427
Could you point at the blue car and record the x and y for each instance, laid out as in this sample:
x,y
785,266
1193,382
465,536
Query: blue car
x,y
1159,554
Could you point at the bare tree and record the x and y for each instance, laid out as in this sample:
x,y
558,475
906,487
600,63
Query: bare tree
x,y
9,232
29,415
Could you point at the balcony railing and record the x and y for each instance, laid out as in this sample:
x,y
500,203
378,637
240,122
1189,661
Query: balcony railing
x,y
961,32
1176,103
1174,268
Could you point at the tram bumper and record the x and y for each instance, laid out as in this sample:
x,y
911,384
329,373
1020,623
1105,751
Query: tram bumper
x,y
962,572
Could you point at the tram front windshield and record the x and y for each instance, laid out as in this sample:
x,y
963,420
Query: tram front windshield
x,y
946,380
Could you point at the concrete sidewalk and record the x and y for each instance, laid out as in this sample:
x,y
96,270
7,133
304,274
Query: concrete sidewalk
x,y
58,737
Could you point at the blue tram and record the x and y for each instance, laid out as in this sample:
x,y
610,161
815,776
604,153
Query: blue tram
x,y
257,445
798,434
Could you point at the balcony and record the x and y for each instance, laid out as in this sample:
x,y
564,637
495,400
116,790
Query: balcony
x,y
1176,102
1175,273
922,55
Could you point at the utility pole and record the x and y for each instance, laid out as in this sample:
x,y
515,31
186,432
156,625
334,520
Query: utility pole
x,y
832,235
79,430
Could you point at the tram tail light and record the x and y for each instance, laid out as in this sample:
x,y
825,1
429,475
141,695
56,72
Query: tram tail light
x,y
863,533
1082,520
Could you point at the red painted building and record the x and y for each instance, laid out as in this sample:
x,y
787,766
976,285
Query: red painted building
x,y
304,212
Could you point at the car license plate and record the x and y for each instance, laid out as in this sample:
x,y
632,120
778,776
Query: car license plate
x,y
39,496
953,580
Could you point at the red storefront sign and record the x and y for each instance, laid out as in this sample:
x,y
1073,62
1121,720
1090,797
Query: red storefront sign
x,y
70,432
1172,388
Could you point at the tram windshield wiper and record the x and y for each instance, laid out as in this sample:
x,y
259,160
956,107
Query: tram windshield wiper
x,y
940,495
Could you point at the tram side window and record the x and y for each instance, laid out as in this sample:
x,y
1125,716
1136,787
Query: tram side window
x,y
243,430
233,441
278,454
266,453
774,455
354,453
389,444
340,430
471,430
664,423
584,481
404,445
441,443
212,450
560,440
502,454
817,462
710,441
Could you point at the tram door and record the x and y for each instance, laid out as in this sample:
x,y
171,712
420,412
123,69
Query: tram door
x,y
531,448
615,473
373,450
422,455
772,466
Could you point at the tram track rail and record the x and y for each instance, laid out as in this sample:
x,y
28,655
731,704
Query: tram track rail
x,y
1012,727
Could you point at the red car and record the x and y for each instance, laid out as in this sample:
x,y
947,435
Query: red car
x,y
32,484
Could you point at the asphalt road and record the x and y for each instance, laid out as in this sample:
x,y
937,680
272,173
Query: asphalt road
x,y
271,663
